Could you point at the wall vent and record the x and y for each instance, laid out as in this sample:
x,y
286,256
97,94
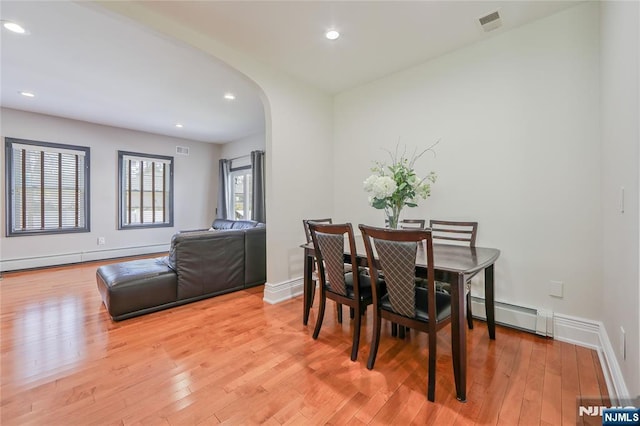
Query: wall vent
x,y
182,150
491,21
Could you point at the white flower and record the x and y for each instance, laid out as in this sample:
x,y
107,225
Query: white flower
x,y
369,182
394,186
384,187
424,190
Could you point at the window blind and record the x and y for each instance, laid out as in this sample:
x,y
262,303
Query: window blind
x,y
48,188
145,190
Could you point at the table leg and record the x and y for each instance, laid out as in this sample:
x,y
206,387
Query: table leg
x,y
306,286
489,302
459,337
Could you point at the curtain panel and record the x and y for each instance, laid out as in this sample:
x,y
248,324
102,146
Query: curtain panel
x,y
258,211
223,190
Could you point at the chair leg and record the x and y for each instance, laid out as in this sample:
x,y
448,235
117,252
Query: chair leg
x,y
339,308
356,334
431,387
375,339
401,331
469,315
323,302
394,329
351,313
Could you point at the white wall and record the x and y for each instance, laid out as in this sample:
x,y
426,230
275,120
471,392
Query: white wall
x,y
195,189
518,119
620,92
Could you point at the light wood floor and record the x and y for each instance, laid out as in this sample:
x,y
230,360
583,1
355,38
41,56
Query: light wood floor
x,y
234,359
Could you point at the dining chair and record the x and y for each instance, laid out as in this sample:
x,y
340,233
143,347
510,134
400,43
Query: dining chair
x,y
412,224
408,223
351,289
404,302
314,273
456,232
405,224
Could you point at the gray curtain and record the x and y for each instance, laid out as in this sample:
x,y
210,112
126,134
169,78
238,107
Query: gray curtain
x,y
223,191
258,211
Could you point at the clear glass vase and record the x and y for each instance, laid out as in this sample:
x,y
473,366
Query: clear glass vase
x,y
393,216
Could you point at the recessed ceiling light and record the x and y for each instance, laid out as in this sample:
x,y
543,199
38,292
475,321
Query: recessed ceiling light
x,y
229,96
332,34
28,94
179,126
13,27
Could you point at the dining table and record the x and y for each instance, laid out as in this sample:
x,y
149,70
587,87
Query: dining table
x,y
454,264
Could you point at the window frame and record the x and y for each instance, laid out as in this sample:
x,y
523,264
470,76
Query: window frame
x,y
232,173
122,191
9,185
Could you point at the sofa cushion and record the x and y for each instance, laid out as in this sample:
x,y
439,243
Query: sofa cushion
x,y
222,224
207,262
244,224
234,224
132,288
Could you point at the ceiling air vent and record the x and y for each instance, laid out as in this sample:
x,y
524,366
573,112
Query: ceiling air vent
x,y
182,150
491,21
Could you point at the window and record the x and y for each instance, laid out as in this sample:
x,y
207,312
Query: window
x,y
145,185
240,193
47,188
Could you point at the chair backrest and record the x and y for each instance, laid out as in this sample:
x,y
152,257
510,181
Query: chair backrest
x,y
449,230
408,223
396,256
329,245
412,224
305,224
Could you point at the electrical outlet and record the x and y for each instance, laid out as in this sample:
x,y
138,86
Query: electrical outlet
x,y
101,241
623,344
556,288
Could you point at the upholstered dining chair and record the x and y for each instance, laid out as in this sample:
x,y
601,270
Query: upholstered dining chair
x,y
405,224
305,224
456,232
404,302
353,288
314,273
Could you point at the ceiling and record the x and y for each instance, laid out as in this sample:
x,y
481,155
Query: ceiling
x,y
134,78
85,63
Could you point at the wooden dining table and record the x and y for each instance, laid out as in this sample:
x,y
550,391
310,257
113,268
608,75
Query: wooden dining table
x,y
453,264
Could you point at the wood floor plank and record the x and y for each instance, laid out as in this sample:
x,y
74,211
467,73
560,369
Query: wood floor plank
x,y
570,384
233,359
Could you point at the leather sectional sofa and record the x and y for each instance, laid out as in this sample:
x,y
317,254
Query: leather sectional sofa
x,y
201,264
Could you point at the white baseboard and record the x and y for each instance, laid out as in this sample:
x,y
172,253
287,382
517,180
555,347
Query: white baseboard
x,y
592,334
279,292
577,331
77,257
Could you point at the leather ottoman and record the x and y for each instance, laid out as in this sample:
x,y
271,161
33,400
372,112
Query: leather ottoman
x,y
137,287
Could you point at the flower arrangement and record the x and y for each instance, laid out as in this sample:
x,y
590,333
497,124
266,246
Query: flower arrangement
x,y
394,186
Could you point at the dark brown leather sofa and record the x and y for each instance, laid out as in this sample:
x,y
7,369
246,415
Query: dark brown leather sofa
x,y
201,264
